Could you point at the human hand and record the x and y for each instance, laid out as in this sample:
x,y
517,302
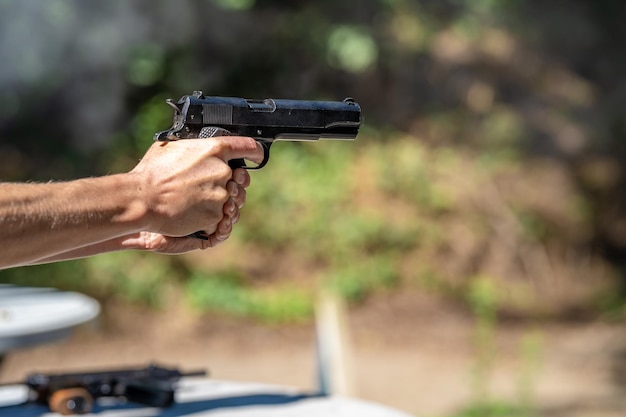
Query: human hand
x,y
171,245
188,186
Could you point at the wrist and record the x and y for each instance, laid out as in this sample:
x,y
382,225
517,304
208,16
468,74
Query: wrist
x,y
135,215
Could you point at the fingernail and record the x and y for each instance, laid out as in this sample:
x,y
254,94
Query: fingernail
x,y
233,189
240,177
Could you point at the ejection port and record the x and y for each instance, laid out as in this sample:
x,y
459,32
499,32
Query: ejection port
x,y
268,105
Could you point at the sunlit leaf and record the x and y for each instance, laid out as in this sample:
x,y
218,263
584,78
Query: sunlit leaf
x,y
352,49
235,4
146,66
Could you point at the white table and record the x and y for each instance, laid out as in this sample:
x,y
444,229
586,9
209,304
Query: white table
x,y
202,397
31,316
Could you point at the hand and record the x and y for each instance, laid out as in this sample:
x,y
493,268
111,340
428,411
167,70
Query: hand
x,y
186,185
170,245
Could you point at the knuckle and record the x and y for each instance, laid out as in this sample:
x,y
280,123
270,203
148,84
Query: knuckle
x,y
217,145
230,207
240,199
233,188
222,195
223,172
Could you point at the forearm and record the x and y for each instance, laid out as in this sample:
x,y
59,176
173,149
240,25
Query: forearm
x,y
111,245
39,221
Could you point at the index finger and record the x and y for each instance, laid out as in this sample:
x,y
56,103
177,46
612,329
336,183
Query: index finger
x,y
238,147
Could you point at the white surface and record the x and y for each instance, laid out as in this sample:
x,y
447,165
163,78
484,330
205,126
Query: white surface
x,y
212,398
30,316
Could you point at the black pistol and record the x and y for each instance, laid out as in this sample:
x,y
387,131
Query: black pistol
x,y
199,116
268,120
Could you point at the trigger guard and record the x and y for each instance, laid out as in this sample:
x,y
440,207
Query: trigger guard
x,y
266,155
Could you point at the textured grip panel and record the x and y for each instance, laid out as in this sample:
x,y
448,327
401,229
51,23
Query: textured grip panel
x,y
212,131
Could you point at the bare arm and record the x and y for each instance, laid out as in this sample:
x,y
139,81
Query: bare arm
x,y
159,243
177,189
39,220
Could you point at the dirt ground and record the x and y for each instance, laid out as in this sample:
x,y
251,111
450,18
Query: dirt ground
x,y
408,350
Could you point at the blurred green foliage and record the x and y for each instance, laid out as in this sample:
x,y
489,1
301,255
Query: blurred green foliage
x,y
483,298
226,292
493,409
352,49
355,281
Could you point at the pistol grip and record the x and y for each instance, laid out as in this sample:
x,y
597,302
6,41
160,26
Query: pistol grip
x,y
238,163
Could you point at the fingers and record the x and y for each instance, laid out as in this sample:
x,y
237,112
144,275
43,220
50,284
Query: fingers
x,y
237,197
241,177
237,193
223,231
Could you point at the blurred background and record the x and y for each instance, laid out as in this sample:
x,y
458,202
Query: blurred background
x,y
475,232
